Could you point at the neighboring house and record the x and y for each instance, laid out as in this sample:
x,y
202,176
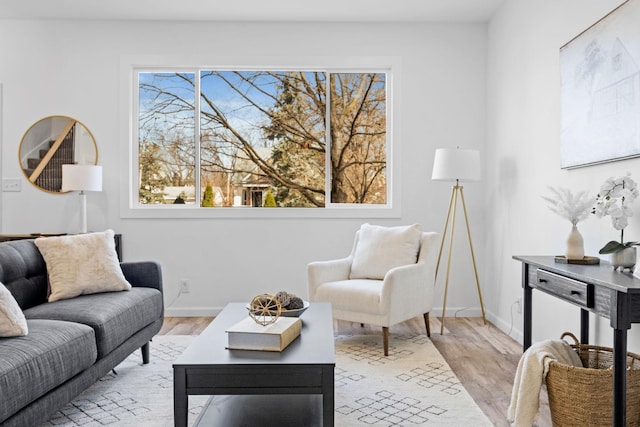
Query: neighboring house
x,y
250,186
170,194
189,195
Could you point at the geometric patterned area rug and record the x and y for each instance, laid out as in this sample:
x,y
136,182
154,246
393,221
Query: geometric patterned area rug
x,y
413,386
139,395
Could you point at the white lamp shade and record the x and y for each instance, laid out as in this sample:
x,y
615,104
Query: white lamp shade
x,y
450,164
81,178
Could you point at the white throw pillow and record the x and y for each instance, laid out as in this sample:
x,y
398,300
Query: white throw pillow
x,y
12,321
380,249
82,264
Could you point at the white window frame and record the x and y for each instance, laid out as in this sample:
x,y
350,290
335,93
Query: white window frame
x,y
131,65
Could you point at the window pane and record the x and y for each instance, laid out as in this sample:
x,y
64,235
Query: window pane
x,y
263,138
166,141
358,138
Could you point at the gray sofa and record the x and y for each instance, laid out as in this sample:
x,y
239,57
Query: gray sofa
x,y
71,343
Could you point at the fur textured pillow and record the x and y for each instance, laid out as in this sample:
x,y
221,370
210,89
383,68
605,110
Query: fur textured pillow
x,y
82,264
12,321
380,249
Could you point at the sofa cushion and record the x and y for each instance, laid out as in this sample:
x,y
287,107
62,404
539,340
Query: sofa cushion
x,y
379,249
114,316
12,321
52,353
82,264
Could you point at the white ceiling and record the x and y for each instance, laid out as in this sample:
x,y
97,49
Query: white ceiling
x,y
255,10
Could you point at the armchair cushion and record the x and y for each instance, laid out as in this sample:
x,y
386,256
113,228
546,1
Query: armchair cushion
x,y
379,249
359,295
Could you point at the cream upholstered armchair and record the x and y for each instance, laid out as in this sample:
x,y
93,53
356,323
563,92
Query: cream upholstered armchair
x,y
388,278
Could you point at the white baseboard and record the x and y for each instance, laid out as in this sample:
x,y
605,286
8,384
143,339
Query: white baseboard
x,y
514,331
192,311
214,311
456,312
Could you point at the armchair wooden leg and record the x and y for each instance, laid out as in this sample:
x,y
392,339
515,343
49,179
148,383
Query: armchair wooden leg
x,y
385,340
426,323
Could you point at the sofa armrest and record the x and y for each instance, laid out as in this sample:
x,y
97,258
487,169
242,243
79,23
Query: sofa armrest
x,y
147,274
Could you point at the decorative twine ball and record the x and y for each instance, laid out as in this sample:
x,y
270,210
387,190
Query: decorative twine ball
x,y
265,309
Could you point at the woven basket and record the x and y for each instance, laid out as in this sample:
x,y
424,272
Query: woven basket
x,y
583,396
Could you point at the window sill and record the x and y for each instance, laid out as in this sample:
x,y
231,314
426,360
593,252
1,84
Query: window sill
x,y
171,211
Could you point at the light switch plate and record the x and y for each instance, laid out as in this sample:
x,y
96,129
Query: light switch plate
x,y
11,184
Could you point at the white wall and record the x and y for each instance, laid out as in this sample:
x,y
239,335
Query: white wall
x,y
442,104
523,137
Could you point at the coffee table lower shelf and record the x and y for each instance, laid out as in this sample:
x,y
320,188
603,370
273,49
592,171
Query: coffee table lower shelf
x,y
248,410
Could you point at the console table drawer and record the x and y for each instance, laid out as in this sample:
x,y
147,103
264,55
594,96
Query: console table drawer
x,y
563,287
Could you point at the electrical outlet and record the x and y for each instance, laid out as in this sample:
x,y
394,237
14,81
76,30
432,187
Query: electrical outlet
x,y
11,184
519,305
184,286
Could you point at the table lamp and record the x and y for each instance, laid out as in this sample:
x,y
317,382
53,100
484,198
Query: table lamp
x,y
82,178
456,165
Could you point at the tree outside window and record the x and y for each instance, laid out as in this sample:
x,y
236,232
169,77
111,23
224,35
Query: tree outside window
x,y
306,138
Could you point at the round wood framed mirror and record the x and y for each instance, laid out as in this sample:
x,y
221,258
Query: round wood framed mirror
x,y
51,142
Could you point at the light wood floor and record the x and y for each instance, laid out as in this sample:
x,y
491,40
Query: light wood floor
x,y
482,356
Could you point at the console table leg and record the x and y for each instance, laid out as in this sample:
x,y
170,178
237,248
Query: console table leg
x,y
619,377
526,341
584,326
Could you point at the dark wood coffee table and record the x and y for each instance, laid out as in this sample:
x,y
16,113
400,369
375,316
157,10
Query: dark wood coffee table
x,y
295,385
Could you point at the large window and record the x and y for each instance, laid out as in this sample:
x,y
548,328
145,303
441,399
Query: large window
x,y
267,138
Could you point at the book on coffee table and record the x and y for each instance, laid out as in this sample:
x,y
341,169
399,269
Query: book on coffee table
x,y
249,335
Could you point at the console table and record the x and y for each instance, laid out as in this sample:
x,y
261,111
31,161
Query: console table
x,y
593,288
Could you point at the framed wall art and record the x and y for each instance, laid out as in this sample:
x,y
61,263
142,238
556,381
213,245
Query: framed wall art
x,y
600,90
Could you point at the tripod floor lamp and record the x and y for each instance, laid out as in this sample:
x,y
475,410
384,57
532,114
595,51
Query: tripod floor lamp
x,y
456,165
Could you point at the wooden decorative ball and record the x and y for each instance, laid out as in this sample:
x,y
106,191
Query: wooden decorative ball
x,y
265,309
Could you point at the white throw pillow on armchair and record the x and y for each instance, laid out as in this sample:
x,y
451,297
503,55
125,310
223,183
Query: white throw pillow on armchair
x,y
379,249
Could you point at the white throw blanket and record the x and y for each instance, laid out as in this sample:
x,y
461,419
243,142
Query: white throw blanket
x,y
531,372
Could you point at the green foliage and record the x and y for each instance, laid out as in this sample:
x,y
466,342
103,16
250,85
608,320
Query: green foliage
x,y
152,180
207,200
614,246
270,200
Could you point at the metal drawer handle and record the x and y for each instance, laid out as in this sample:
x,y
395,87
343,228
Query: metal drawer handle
x,y
576,293
542,280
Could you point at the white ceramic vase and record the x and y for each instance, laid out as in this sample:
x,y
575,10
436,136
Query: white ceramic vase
x,y
625,258
575,245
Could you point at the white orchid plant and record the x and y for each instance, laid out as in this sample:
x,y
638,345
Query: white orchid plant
x,y
614,199
574,207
